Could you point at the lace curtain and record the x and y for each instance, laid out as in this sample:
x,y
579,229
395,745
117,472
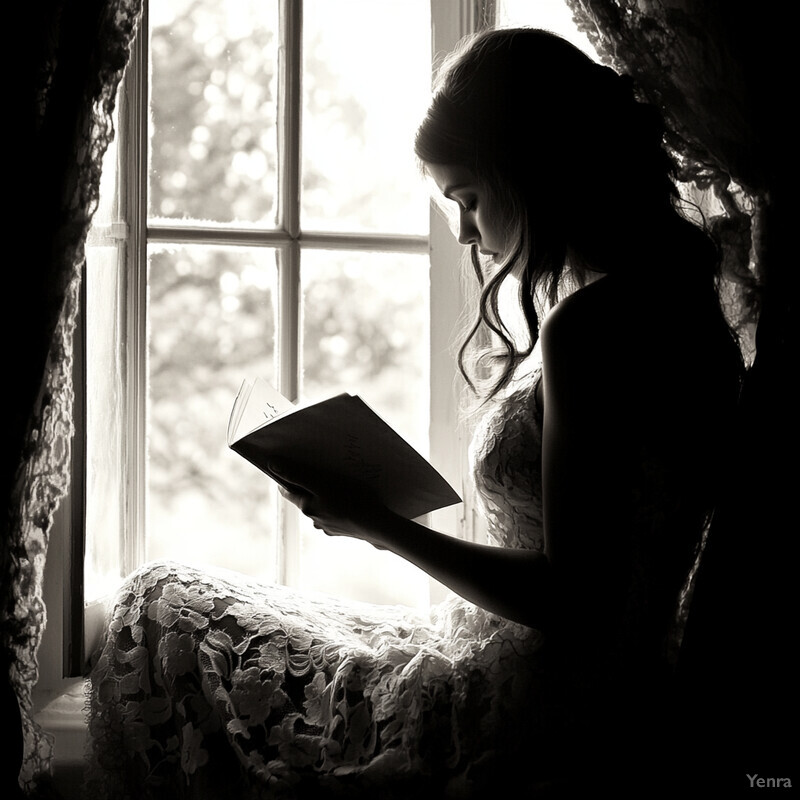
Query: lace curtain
x,y
687,58
72,56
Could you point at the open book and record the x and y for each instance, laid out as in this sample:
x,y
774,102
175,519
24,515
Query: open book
x,y
342,436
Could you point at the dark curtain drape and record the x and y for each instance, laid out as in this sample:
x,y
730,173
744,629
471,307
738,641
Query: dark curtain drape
x,y
69,56
717,70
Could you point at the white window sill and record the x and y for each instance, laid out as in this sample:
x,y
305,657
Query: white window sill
x,y
65,718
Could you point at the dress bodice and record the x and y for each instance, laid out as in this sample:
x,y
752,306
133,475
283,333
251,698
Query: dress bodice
x,y
506,459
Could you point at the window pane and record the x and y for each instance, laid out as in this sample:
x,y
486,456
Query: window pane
x,y
213,138
105,406
366,83
212,324
365,331
105,423
365,323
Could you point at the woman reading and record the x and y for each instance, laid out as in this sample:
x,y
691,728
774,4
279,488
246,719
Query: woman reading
x,y
603,421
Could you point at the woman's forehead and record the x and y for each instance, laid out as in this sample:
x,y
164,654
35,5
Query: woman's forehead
x,y
451,177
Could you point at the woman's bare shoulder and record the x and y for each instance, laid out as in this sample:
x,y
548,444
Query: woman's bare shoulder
x,y
608,341
580,345
588,317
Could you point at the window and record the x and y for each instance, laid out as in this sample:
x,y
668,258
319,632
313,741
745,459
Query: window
x,y
272,222
255,220
246,255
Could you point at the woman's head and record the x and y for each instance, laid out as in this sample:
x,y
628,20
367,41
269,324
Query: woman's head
x,y
571,163
555,135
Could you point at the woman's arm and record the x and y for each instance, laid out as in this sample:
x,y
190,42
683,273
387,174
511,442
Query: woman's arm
x,y
511,583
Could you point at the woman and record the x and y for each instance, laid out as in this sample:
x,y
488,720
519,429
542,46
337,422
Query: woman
x,y
598,468
559,176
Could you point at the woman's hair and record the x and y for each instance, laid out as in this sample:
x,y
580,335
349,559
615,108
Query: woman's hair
x,y
568,157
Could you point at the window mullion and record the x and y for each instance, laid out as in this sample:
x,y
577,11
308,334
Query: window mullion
x,y
258,237
290,65
289,331
289,135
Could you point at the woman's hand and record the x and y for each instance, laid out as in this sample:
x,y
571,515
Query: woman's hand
x,y
334,506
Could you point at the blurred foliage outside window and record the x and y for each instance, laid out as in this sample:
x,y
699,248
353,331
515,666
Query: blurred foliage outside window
x,y
212,314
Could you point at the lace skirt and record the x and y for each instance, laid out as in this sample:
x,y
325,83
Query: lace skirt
x,y
212,687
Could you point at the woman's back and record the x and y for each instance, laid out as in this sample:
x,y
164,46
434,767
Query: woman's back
x,y
647,374
640,389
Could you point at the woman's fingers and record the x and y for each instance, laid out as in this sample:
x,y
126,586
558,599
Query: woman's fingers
x,y
297,482
297,496
289,488
303,497
335,508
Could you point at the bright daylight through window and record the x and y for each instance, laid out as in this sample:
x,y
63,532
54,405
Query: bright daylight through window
x,y
335,299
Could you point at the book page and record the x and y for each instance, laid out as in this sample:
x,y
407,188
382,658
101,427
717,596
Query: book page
x,y
257,403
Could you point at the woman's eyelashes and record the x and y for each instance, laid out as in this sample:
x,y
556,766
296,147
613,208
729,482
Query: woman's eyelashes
x,y
467,204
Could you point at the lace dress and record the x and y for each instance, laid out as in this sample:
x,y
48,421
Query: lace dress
x,y
214,687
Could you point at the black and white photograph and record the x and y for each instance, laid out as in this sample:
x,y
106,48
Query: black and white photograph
x,y
398,401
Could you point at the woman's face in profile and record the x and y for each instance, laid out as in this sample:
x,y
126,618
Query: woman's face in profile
x,y
478,222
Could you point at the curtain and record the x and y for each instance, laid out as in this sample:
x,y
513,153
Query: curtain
x,y
70,56
716,69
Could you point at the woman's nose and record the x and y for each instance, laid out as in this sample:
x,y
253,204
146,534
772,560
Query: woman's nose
x,y
467,232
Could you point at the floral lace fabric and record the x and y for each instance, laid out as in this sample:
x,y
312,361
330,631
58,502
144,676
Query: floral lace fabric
x,y
224,687
506,454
